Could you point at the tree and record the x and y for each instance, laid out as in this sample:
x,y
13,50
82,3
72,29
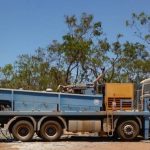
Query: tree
x,y
82,49
36,72
6,76
140,24
80,55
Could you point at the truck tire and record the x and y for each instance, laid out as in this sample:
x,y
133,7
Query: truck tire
x,y
23,131
51,130
128,130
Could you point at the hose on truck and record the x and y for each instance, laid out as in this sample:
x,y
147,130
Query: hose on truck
x,y
5,135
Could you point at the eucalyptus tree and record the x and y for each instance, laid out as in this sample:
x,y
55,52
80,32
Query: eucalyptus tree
x,y
83,48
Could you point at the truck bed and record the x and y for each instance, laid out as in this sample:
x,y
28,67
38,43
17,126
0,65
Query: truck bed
x,y
41,101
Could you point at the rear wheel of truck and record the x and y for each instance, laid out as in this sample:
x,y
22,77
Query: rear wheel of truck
x,y
23,131
128,130
51,130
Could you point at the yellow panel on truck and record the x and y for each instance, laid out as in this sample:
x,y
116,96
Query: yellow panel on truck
x,y
119,95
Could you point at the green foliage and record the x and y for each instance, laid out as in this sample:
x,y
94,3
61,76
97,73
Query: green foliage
x,y
6,75
140,24
80,55
140,52
79,46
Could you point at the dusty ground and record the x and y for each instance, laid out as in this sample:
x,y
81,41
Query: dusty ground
x,y
76,143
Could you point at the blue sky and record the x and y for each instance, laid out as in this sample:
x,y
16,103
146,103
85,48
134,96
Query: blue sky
x,y
26,25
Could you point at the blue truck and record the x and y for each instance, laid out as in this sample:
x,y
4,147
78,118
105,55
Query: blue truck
x,y
77,109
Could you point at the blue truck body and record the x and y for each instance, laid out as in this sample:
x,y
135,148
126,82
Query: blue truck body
x,y
23,100
47,114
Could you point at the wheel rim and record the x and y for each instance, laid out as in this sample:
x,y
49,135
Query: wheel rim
x,y
23,131
128,130
50,130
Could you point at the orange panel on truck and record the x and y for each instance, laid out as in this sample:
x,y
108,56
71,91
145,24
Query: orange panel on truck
x,y
121,93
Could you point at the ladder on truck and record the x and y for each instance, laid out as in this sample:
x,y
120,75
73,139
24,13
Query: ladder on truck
x,y
110,119
110,123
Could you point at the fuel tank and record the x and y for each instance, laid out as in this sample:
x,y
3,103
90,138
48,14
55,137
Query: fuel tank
x,y
84,126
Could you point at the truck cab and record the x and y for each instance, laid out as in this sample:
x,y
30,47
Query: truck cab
x,y
145,87
145,94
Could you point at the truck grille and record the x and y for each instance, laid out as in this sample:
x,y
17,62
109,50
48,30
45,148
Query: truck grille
x,y
121,103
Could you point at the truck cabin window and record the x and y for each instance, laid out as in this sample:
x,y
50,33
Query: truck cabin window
x,y
146,89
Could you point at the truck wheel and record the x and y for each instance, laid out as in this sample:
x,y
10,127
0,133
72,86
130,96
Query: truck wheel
x,y
51,130
128,130
23,131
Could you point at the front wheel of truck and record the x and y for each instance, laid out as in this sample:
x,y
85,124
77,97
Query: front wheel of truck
x,y
128,129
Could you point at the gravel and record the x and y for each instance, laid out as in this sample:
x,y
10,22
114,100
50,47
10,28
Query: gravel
x,y
76,143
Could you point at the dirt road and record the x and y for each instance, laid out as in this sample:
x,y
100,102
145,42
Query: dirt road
x,y
77,143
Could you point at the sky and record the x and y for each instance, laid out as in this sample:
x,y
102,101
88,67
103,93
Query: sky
x,y
26,25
